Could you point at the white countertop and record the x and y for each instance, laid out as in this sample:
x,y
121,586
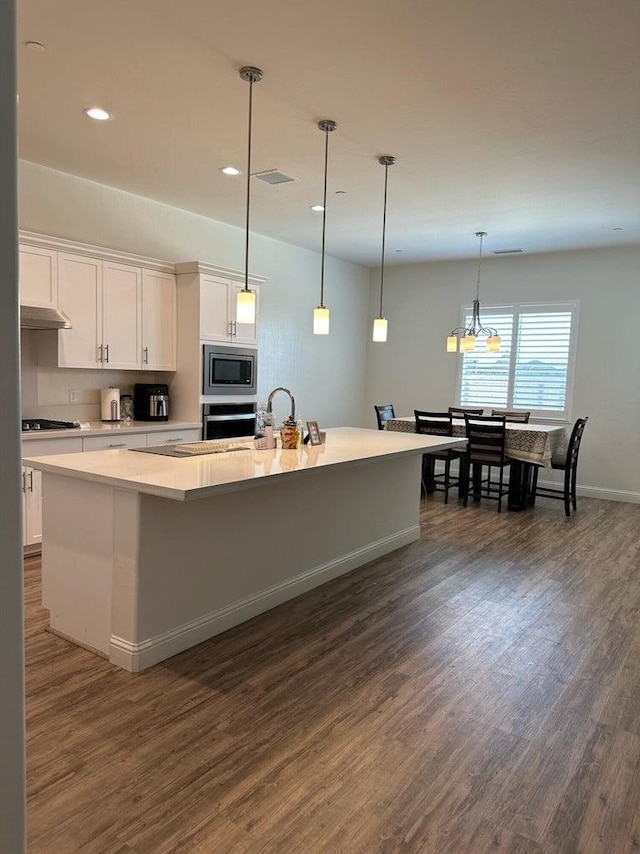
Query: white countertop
x,y
202,476
103,428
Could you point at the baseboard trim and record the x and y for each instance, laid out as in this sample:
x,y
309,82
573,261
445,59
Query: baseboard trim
x,y
138,656
597,492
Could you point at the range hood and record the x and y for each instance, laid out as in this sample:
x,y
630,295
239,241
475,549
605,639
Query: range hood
x,y
41,317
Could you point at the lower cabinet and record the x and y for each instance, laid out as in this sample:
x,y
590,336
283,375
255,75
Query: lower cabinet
x,y
104,443
31,506
32,479
171,437
32,485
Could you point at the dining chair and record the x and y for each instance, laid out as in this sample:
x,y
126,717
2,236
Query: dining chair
x,y
519,416
568,463
383,413
438,424
485,447
461,411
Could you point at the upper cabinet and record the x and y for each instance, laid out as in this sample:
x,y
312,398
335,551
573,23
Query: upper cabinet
x,y
218,311
159,306
102,298
123,315
38,276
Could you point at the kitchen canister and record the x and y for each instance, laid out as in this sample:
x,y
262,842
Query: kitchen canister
x,y
110,404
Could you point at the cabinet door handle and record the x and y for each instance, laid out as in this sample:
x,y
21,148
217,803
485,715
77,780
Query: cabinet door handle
x,y
100,355
145,357
117,445
107,349
24,481
30,480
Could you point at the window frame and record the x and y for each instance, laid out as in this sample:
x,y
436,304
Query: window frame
x,y
515,309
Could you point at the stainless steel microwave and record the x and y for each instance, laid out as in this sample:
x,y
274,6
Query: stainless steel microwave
x,y
229,370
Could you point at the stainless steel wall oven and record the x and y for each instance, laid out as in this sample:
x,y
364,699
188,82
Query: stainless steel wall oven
x,y
228,420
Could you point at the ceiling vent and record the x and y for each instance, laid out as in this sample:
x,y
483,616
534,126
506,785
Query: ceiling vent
x,y
507,251
273,176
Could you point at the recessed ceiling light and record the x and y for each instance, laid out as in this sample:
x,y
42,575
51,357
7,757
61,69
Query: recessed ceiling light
x,y
98,114
316,207
230,170
38,47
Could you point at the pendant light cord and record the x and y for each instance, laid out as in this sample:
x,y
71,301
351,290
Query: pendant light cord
x,y
246,240
386,160
384,232
479,234
250,74
324,213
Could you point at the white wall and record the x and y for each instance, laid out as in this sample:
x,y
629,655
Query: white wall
x,y
326,374
422,303
12,785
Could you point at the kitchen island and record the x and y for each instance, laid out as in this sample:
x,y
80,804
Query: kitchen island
x,y
146,555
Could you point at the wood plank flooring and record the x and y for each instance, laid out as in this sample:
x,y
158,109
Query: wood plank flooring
x,y
478,691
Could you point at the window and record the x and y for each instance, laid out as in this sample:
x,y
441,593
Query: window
x,y
534,368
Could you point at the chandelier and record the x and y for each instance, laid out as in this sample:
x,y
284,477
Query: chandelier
x,y
463,339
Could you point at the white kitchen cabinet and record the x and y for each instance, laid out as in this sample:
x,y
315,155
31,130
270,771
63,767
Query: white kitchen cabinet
x,y
80,297
38,276
171,437
121,316
123,313
218,311
114,440
32,485
31,506
159,307
103,300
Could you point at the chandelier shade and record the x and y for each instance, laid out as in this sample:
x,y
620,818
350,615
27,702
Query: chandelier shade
x,y
463,339
246,299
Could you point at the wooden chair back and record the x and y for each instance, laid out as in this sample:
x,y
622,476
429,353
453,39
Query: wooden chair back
x,y
461,411
485,439
433,423
574,443
383,413
517,416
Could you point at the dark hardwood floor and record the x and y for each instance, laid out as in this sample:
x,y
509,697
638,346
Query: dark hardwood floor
x,y
478,691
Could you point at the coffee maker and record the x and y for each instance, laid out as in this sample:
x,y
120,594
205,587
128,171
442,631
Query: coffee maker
x,y
151,402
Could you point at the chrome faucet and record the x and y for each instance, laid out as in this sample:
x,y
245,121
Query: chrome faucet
x,y
293,402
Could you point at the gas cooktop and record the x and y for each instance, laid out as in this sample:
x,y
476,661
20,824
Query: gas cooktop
x,y
29,424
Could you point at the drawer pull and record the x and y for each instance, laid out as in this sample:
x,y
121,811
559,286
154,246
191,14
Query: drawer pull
x,y
117,445
172,441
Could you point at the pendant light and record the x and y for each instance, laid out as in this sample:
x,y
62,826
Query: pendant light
x,y
321,313
464,337
380,323
246,299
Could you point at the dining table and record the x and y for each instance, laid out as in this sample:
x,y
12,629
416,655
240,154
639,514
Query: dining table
x,y
527,445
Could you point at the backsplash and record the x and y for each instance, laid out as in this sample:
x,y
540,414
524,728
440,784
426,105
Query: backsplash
x,y
46,390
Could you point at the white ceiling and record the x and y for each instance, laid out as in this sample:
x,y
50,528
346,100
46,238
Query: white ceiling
x,y
518,118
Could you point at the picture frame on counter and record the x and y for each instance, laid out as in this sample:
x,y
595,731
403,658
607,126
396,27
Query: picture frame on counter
x,y
314,433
